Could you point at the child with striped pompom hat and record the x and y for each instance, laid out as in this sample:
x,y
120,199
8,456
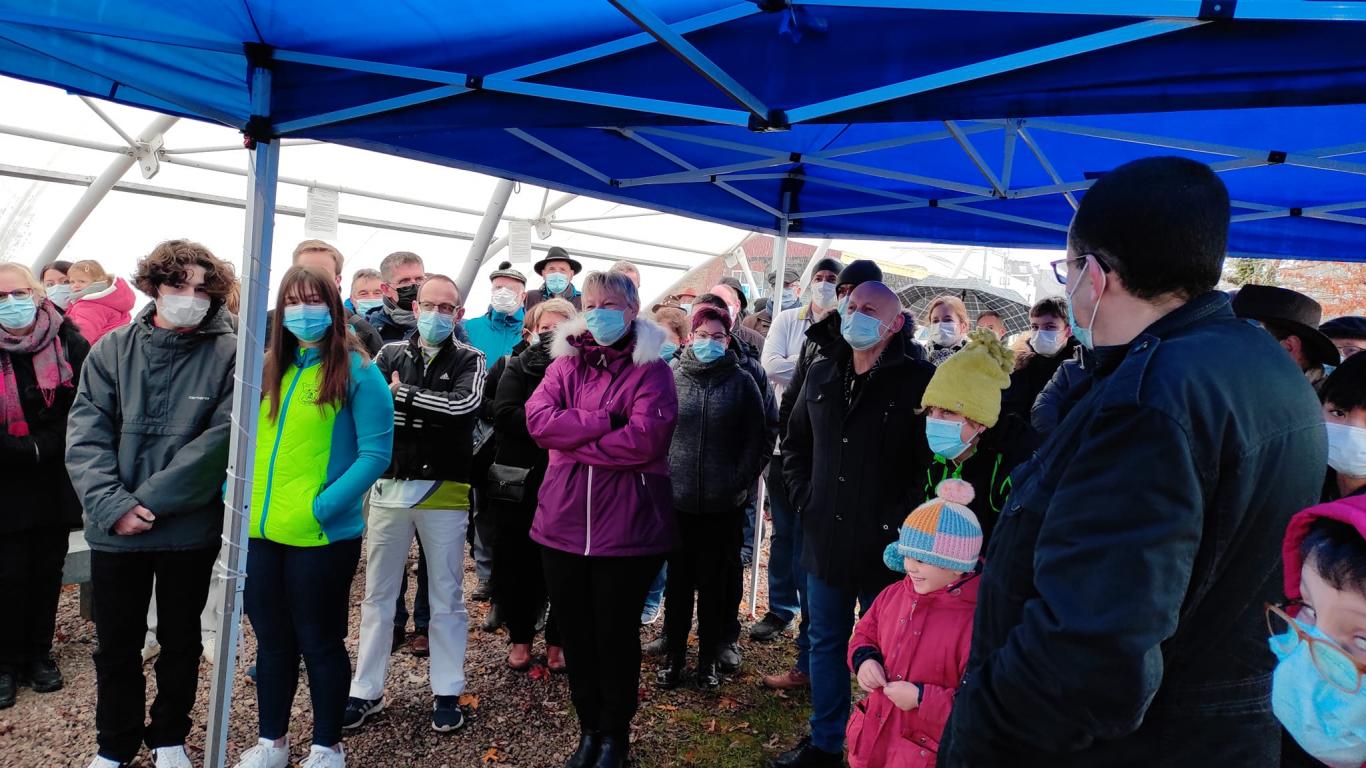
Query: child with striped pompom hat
x,y
911,648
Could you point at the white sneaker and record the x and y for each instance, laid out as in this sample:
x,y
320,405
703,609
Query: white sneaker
x,y
265,755
150,651
172,757
209,647
322,757
104,762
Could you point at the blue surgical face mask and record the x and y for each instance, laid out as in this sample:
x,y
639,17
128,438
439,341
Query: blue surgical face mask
x,y
363,306
687,308
308,322
668,350
606,325
1329,723
823,294
839,309
434,327
860,330
945,437
1083,335
556,282
706,350
17,314
59,295
789,298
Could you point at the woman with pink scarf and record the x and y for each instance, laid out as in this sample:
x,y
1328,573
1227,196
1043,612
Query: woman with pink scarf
x,y
40,360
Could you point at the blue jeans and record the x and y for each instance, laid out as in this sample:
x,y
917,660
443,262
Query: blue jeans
x,y
656,594
784,554
832,623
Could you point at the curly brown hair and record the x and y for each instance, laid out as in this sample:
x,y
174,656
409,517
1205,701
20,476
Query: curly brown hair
x,y
169,264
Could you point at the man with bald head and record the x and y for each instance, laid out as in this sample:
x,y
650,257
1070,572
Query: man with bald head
x,y
852,440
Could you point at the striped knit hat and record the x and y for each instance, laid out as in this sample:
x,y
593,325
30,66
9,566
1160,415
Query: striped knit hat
x,y
942,532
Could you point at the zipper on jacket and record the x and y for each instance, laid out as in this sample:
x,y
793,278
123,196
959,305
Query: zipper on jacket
x,y
588,533
275,450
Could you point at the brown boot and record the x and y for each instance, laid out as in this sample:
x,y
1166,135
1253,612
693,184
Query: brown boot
x,y
788,680
519,657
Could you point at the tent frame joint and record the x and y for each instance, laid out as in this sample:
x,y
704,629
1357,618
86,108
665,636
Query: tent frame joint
x,y
774,121
1217,10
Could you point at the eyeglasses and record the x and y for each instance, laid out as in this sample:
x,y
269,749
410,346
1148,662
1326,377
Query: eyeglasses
x,y
441,309
721,337
1333,663
22,293
1060,266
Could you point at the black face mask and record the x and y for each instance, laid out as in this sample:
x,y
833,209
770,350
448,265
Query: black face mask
x,y
406,296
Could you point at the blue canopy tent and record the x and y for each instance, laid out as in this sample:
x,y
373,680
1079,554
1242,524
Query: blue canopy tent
x,y
958,121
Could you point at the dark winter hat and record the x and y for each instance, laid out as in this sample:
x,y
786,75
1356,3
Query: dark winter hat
x,y
1292,310
505,270
556,253
790,275
828,265
859,272
1346,327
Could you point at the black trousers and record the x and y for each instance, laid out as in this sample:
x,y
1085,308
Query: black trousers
x,y
122,584
597,603
704,566
299,599
518,577
30,583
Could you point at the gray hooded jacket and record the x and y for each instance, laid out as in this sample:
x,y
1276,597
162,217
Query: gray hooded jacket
x,y
150,426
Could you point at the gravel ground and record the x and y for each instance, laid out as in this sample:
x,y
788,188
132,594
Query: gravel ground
x,y
514,720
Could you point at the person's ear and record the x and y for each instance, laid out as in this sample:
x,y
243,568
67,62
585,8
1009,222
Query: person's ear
x,y
459,314
898,323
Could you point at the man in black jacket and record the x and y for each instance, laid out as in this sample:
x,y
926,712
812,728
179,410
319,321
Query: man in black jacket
x,y
1119,621
853,440
1050,345
438,384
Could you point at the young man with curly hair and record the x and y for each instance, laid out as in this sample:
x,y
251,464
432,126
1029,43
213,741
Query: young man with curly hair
x,y
147,450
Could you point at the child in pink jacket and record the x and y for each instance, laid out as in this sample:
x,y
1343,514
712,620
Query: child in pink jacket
x,y
99,302
911,648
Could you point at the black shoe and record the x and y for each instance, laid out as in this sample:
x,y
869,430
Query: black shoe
x,y
447,715
806,755
359,710
768,628
494,619
746,559
657,647
613,752
483,592
9,689
729,659
708,676
671,676
587,751
42,676
400,637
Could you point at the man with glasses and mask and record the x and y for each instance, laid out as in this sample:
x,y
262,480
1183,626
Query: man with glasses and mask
x,y
854,439
1119,620
437,383
400,274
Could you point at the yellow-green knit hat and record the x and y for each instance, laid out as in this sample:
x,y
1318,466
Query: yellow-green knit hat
x,y
970,382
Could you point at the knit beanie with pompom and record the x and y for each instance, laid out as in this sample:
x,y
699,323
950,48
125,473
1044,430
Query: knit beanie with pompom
x,y
942,532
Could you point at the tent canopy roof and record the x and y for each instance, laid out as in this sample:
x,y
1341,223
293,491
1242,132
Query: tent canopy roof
x,y
958,121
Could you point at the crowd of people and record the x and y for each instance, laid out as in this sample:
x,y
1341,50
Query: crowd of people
x,y
1135,536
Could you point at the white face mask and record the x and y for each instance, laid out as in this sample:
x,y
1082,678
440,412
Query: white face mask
x,y
504,300
823,295
182,311
944,334
1347,449
1047,343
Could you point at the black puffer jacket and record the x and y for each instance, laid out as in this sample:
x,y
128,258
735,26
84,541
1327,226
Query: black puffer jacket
x,y
434,408
38,490
522,373
719,440
1053,402
1032,373
850,469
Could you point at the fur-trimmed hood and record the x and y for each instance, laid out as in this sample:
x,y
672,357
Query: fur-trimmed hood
x,y
648,344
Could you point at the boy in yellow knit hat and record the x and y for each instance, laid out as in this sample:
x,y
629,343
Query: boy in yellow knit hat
x,y
970,437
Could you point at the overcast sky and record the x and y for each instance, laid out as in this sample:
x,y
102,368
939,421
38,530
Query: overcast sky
x,y
125,226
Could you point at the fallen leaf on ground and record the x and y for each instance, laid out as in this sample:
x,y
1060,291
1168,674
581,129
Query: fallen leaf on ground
x,y
492,755
468,700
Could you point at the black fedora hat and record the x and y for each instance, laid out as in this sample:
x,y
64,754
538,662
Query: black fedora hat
x,y
556,253
1291,310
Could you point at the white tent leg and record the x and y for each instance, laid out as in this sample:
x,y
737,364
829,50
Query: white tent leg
x,y
95,193
758,547
779,264
246,405
483,236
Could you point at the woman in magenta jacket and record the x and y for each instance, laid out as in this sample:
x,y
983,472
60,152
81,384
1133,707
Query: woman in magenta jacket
x,y
605,412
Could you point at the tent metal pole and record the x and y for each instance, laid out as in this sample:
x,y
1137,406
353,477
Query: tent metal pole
x,y
758,549
246,405
95,193
483,236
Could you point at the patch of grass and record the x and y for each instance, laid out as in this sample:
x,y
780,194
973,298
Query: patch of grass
x,y
742,726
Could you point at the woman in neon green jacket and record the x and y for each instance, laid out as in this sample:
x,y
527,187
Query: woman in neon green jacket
x,y
325,435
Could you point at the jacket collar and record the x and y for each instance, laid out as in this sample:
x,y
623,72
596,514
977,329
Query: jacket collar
x,y
494,317
1210,305
649,339
216,323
